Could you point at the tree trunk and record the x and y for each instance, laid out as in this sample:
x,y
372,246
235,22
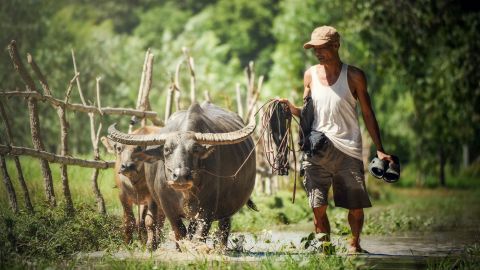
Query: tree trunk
x,y
12,197
466,155
38,145
442,166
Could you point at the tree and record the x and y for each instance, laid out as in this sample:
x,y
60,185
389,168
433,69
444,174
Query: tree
x,y
438,51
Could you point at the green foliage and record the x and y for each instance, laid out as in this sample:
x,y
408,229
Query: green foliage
x,y
470,259
273,211
436,56
420,63
51,235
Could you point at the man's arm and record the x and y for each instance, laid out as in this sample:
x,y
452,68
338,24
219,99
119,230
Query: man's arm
x,y
307,78
358,83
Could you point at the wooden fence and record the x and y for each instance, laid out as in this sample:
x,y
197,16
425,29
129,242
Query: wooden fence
x,y
32,95
142,112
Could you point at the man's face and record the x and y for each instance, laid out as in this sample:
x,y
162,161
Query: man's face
x,y
327,52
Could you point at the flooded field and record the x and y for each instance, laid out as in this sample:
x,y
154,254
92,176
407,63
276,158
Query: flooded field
x,y
407,251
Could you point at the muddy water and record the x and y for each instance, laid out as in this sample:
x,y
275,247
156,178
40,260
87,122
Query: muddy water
x,y
408,251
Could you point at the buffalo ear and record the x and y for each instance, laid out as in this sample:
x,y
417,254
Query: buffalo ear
x,y
150,155
108,144
209,150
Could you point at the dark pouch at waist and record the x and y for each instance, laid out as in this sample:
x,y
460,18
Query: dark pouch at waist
x,y
318,142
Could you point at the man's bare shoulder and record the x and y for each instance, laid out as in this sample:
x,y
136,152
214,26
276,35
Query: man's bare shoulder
x,y
307,74
355,73
356,79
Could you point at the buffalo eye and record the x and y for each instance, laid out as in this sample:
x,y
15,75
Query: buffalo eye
x,y
167,151
118,148
198,149
138,149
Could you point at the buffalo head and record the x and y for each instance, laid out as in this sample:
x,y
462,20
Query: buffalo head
x,y
181,151
127,164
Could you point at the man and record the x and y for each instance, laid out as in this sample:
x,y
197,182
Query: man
x,y
335,88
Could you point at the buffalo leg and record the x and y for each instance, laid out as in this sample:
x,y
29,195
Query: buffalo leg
x,y
224,226
159,225
205,225
128,219
150,224
142,230
192,228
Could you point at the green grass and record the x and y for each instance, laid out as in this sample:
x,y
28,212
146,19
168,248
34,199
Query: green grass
x,y
79,182
470,259
50,238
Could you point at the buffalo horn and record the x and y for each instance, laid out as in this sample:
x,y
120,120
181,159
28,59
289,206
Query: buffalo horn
x,y
226,138
136,139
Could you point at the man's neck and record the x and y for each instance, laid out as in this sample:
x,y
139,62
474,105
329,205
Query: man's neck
x,y
333,67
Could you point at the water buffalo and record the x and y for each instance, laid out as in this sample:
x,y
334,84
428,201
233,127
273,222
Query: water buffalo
x,y
192,160
130,179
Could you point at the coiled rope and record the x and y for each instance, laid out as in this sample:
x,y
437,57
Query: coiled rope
x,y
277,158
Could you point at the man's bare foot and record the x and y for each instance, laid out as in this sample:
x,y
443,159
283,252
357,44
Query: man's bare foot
x,y
356,249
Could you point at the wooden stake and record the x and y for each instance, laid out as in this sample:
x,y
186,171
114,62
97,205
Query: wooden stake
x,y
134,119
177,86
24,151
96,155
41,77
82,108
239,100
69,208
168,106
23,184
144,102
12,197
34,122
252,105
206,94
191,67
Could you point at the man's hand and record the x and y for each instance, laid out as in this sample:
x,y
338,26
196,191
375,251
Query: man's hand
x,y
295,110
383,156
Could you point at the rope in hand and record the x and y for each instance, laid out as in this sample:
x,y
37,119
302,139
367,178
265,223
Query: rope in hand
x,y
277,119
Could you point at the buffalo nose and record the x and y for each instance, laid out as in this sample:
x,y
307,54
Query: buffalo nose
x,y
181,174
130,166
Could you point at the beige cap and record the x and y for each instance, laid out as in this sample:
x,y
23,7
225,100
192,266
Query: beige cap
x,y
322,35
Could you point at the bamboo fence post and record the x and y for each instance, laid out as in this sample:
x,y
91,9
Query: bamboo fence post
x,y
21,179
177,86
69,208
239,100
94,138
250,78
144,101
253,103
168,106
207,97
34,122
191,67
134,119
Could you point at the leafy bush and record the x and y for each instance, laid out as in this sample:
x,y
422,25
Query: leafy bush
x,y
50,235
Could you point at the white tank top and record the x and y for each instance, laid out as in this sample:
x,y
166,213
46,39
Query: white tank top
x,y
335,113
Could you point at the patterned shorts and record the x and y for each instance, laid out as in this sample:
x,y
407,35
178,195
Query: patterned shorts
x,y
332,167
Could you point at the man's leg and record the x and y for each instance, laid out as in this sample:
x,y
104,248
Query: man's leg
x,y
355,219
322,225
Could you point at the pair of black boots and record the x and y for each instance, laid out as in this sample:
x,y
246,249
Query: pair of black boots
x,y
383,169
